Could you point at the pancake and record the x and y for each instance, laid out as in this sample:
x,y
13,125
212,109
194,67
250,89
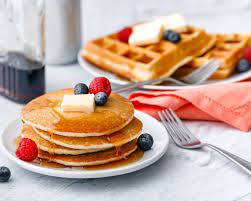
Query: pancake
x,y
44,145
45,113
127,134
90,159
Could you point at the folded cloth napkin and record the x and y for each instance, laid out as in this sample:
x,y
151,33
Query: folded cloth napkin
x,y
229,103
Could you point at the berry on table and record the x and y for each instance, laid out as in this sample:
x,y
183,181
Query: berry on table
x,y
81,88
27,150
4,174
242,66
100,84
145,141
124,34
100,99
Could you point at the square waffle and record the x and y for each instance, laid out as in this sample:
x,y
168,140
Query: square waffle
x,y
148,62
229,48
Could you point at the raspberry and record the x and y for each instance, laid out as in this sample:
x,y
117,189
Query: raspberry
x,y
27,150
100,84
247,54
124,34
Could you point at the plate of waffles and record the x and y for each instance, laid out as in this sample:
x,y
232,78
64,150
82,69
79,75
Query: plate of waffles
x,y
84,145
115,79
124,62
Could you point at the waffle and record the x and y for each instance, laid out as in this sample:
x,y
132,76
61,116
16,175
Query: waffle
x,y
228,49
147,62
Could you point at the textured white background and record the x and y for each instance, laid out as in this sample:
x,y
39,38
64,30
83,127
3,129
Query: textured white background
x,y
180,175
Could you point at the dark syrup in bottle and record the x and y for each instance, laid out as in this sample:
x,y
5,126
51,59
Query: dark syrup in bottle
x,y
21,79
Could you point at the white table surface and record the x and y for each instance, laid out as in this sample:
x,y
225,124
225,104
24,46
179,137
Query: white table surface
x,y
181,175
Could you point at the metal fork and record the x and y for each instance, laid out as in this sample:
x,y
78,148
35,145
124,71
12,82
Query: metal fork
x,y
198,76
183,137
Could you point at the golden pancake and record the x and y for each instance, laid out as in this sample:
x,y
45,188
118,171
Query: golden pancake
x,y
28,132
97,158
45,113
135,156
123,136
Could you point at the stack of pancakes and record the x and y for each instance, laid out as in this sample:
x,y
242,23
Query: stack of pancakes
x,y
81,139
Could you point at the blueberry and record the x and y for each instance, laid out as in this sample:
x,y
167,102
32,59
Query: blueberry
x,y
4,174
166,34
100,98
81,88
172,36
145,141
242,66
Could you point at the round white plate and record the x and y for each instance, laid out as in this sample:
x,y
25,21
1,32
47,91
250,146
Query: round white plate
x,y
150,125
92,69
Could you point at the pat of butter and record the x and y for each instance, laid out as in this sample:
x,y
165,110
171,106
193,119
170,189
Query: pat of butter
x,y
173,21
78,103
146,33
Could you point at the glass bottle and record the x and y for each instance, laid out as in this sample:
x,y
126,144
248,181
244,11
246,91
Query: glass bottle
x,y
22,49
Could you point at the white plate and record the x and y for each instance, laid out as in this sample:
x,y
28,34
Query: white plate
x,y
92,69
150,125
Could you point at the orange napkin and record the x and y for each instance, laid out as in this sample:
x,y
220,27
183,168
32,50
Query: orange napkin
x,y
229,103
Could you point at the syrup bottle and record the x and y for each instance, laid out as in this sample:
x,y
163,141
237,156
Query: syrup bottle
x,y
22,49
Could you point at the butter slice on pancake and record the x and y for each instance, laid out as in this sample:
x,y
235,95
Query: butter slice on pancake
x,y
45,113
123,136
44,145
96,158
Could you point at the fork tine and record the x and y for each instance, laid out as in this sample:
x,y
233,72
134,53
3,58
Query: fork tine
x,y
170,131
204,72
201,69
183,127
170,126
177,130
175,126
166,126
210,68
208,71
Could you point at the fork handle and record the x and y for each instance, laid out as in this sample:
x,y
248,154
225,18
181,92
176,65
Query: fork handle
x,y
245,165
134,85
